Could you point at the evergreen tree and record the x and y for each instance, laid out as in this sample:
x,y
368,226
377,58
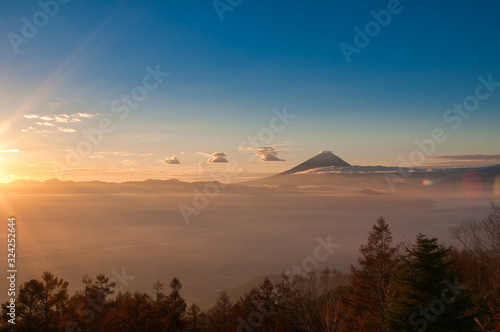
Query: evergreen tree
x,y
131,312
28,311
266,306
195,319
373,284
429,296
159,295
54,301
41,305
220,316
176,307
246,311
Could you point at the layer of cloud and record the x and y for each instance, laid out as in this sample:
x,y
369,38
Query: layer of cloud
x,y
48,124
55,121
265,153
216,157
123,153
60,118
472,157
129,162
85,115
172,161
66,130
9,151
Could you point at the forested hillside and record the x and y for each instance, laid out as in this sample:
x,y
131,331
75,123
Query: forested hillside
x,y
418,286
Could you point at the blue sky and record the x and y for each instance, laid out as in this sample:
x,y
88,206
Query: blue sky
x,y
226,77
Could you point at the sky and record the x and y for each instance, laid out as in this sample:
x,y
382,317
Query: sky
x,y
131,90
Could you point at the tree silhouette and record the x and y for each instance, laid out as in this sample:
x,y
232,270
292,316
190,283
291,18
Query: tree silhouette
x,y
176,307
196,320
42,305
373,283
481,259
429,294
219,317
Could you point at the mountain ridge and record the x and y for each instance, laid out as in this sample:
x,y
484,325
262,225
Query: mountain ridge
x,y
323,159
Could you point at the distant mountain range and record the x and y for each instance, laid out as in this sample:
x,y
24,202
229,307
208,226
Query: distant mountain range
x,y
325,171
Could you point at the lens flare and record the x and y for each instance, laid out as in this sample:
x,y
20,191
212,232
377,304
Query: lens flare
x,y
471,184
426,182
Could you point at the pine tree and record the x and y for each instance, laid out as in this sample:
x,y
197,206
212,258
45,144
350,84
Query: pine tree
x,y
28,309
265,304
54,300
429,296
373,284
42,305
159,295
220,316
245,311
131,312
176,307
195,318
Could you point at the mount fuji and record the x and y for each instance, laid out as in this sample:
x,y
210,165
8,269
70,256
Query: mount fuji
x,y
323,159
327,169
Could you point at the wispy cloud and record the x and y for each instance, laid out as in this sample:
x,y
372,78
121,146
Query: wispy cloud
x,y
172,161
66,130
128,162
86,115
54,119
62,118
27,129
48,124
121,153
10,151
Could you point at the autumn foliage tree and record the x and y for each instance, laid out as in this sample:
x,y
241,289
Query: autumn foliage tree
x,y
480,262
419,289
220,318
